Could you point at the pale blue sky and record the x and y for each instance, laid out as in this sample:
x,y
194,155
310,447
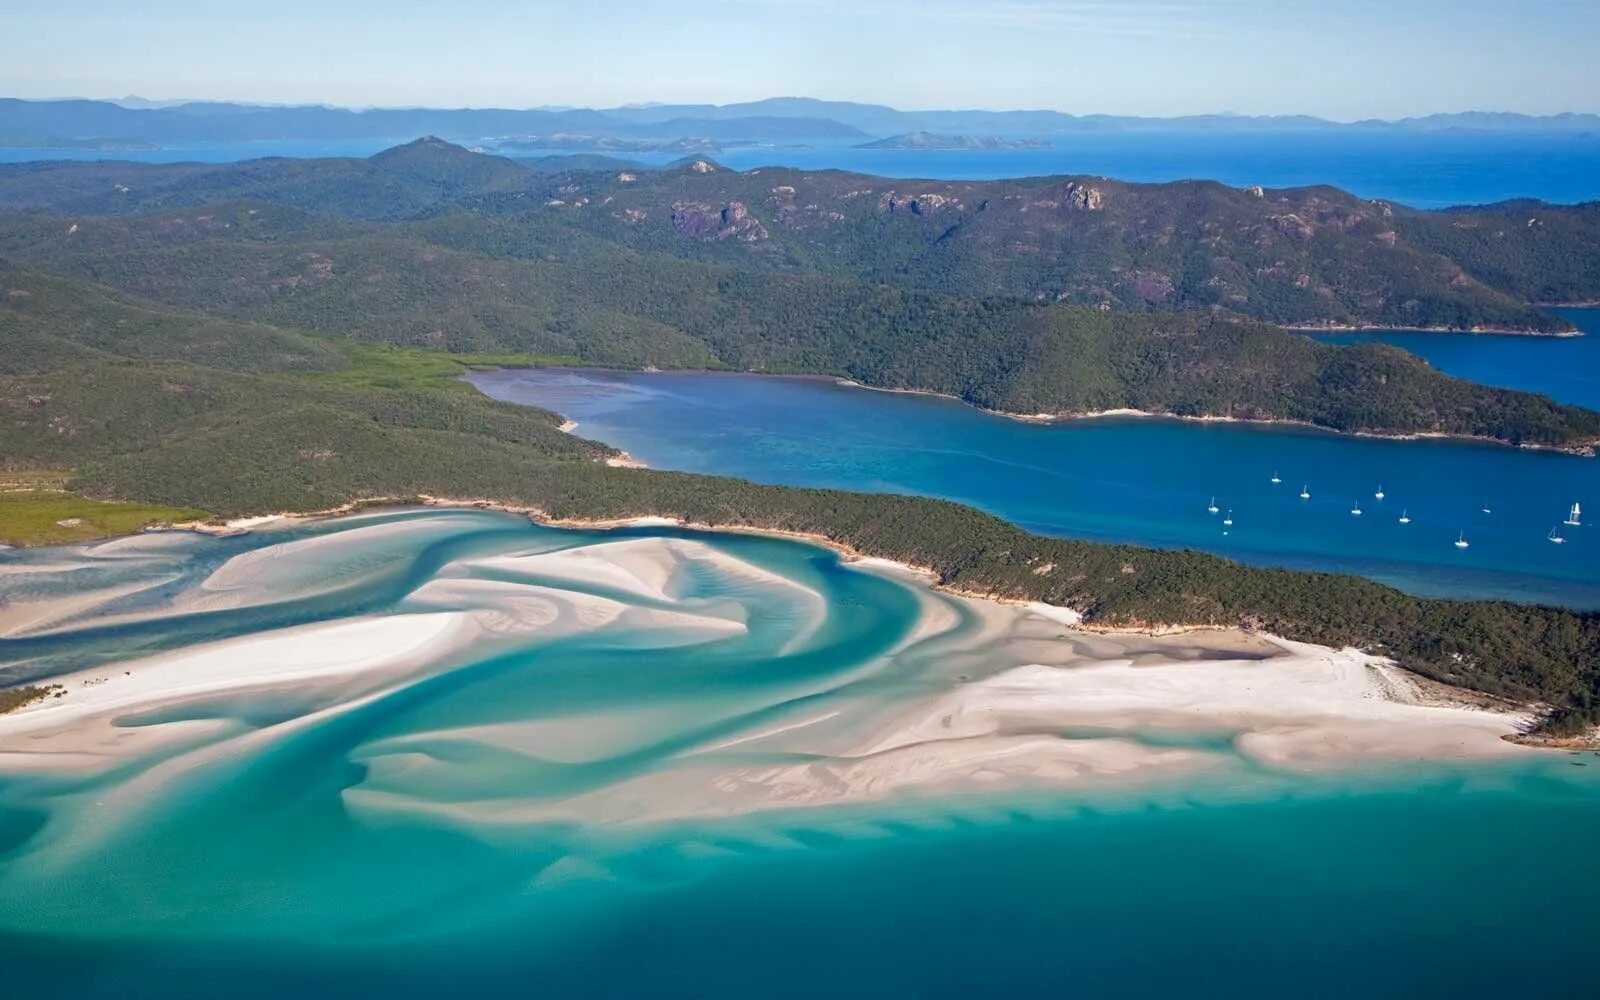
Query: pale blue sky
x,y
1337,58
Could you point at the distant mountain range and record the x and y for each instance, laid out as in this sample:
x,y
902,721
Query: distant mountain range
x,y
134,122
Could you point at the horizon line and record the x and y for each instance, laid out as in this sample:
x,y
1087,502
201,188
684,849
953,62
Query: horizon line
x,y
165,103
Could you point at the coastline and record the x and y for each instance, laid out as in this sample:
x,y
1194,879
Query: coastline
x,y
1587,450
1505,331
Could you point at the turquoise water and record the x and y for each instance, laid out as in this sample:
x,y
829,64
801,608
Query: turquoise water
x,y
1122,479
472,821
1563,368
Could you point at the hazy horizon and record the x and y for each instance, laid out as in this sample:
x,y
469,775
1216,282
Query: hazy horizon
x,y
144,102
1342,60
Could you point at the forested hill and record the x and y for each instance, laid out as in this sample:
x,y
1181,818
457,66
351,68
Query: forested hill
x,y
1303,256
589,301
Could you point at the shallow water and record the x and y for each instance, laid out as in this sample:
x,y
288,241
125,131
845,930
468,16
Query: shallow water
x,y
1148,481
463,820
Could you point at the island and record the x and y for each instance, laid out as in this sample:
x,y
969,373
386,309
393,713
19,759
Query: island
x,y
936,140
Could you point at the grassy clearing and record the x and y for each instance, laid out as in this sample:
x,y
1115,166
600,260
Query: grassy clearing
x,y
46,517
380,366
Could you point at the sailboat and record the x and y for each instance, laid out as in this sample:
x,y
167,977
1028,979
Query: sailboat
x,y
1356,510
1275,479
1572,518
1305,492
1211,508
1405,518
1462,542
1227,522
1555,537
1486,509
1379,495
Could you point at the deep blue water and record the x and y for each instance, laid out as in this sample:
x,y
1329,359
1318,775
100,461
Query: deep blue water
x,y
1426,171
1563,368
1423,170
1122,479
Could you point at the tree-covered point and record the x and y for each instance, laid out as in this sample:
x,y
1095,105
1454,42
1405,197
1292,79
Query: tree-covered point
x,y
1534,250
261,264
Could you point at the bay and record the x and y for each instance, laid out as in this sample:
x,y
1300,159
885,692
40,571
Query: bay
x,y
1564,368
1121,479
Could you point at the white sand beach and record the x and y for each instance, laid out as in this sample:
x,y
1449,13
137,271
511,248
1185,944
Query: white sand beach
x,y
976,695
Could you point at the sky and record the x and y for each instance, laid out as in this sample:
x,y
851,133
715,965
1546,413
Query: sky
x,y
1341,59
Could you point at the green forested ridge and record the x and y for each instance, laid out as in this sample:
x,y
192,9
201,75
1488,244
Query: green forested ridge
x,y
253,262
1293,256
342,422
1535,251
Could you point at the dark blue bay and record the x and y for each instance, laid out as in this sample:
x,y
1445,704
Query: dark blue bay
x,y
1122,479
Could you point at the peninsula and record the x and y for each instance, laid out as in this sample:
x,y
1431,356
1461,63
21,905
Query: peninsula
x,y
296,349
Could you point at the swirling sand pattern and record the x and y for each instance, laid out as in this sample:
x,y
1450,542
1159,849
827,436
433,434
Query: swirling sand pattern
x,y
256,730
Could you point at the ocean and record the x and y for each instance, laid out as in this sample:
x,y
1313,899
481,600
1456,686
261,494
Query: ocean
x,y
1430,170
424,760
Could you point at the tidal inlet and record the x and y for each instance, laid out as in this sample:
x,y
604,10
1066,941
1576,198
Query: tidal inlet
x,y
430,747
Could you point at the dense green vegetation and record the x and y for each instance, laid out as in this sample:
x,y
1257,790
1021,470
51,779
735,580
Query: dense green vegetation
x,y
392,284
1533,250
1290,256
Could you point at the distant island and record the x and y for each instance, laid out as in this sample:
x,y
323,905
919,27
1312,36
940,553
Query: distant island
x,y
610,144
59,142
934,140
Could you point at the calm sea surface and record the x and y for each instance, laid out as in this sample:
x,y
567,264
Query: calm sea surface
x,y
1422,170
329,840
1149,480
1563,368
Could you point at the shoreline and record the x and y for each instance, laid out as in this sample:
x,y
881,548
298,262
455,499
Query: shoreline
x,y
1588,450
1465,331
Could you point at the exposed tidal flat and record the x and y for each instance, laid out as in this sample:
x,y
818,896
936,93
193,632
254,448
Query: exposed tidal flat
x,y
421,749
450,749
